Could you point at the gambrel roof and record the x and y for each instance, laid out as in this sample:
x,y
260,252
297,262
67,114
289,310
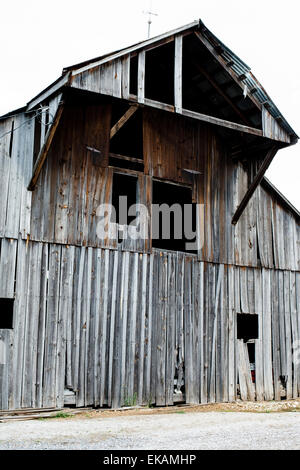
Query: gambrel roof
x,y
200,58
187,71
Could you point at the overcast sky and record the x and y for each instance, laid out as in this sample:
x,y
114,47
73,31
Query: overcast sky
x,y
38,38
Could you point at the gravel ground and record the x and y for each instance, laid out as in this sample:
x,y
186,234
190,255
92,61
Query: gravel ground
x,y
171,431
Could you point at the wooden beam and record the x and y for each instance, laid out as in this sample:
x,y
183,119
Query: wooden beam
x,y
256,181
222,122
141,76
45,148
178,74
123,120
224,65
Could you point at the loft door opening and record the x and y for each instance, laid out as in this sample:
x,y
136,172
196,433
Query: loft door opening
x,y
173,217
124,195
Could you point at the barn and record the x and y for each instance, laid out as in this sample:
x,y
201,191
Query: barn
x,y
98,310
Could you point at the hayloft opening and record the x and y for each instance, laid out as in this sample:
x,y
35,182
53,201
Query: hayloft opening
x,y
159,74
247,326
209,89
6,314
124,186
173,217
126,145
133,75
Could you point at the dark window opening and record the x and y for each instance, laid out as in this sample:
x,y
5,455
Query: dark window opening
x,y
208,88
128,141
251,354
6,314
133,75
124,185
11,138
159,74
247,326
258,251
37,138
165,234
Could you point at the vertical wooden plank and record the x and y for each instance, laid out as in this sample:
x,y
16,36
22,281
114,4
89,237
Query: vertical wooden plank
x,y
8,255
148,399
142,332
170,330
132,326
77,323
104,326
202,393
161,330
180,339
231,336
288,336
141,76
259,357
97,314
50,363
42,326
124,314
178,74
125,77
112,326
295,333
267,335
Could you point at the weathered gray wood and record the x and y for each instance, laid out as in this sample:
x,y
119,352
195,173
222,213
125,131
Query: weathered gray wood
x,y
178,74
45,148
141,76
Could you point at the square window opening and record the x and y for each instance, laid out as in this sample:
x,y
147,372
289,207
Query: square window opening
x,y
6,314
247,326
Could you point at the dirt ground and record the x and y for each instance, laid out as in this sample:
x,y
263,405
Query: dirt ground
x,y
240,425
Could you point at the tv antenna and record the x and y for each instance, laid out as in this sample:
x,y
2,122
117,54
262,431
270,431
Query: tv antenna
x,y
150,14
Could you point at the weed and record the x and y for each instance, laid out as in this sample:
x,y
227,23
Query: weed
x,y
131,401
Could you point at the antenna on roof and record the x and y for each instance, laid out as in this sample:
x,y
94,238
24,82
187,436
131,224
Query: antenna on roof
x,y
150,14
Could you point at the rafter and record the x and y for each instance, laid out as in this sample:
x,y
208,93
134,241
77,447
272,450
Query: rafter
x,y
220,91
221,61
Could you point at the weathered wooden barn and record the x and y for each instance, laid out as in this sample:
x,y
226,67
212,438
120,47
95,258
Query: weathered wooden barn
x,y
115,321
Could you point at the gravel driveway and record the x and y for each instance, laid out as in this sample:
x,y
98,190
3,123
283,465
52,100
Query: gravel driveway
x,y
178,430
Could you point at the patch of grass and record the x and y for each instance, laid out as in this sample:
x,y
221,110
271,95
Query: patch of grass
x,y
149,403
180,412
131,401
62,414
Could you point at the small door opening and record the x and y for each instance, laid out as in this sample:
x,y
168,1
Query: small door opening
x,y
6,314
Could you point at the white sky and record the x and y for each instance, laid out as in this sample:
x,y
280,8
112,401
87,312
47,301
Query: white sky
x,y
38,38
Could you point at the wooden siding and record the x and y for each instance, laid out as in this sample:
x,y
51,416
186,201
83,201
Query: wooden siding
x,y
117,326
62,208
272,129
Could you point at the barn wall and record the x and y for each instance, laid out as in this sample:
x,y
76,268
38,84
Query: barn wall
x,y
62,208
117,327
71,187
